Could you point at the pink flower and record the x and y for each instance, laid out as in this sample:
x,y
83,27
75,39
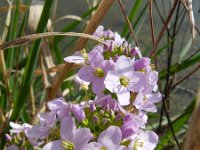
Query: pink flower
x,y
146,140
71,137
109,139
96,71
146,102
124,79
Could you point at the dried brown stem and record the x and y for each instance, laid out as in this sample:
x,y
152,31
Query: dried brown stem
x,y
94,22
90,28
128,22
151,21
193,135
26,39
165,25
59,68
186,77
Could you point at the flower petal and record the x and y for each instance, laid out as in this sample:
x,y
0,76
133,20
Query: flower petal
x,y
67,129
110,138
53,145
86,73
81,137
95,58
123,96
78,112
98,85
92,146
75,59
154,98
124,65
111,81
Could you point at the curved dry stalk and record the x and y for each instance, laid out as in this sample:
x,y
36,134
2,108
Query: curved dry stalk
x,y
94,22
72,17
128,22
165,25
26,39
22,8
57,69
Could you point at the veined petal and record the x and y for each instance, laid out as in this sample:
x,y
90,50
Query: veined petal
x,y
98,85
123,96
154,98
137,82
111,81
55,145
81,137
141,63
92,146
124,65
78,112
38,132
110,138
87,74
75,59
95,58
107,65
67,129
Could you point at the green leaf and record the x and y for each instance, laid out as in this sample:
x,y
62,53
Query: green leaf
x,y
32,61
185,50
179,67
132,14
177,125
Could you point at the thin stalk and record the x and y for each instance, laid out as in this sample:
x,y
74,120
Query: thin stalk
x,y
90,28
128,22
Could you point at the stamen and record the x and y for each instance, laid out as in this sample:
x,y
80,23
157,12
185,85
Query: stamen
x,y
124,81
99,72
67,145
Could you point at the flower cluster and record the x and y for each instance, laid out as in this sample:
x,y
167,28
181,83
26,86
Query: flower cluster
x,y
125,87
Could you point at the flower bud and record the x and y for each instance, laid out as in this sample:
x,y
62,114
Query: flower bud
x,y
95,118
92,107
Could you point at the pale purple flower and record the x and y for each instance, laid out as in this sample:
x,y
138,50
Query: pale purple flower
x,y
109,139
141,63
96,71
103,34
78,112
77,58
92,107
99,31
151,80
136,51
47,119
146,102
119,41
8,137
83,84
27,130
60,107
107,102
92,146
146,140
17,128
71,137
131,125
124,79
38,132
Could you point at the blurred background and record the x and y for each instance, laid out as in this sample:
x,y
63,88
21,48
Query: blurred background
x,y
176,48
